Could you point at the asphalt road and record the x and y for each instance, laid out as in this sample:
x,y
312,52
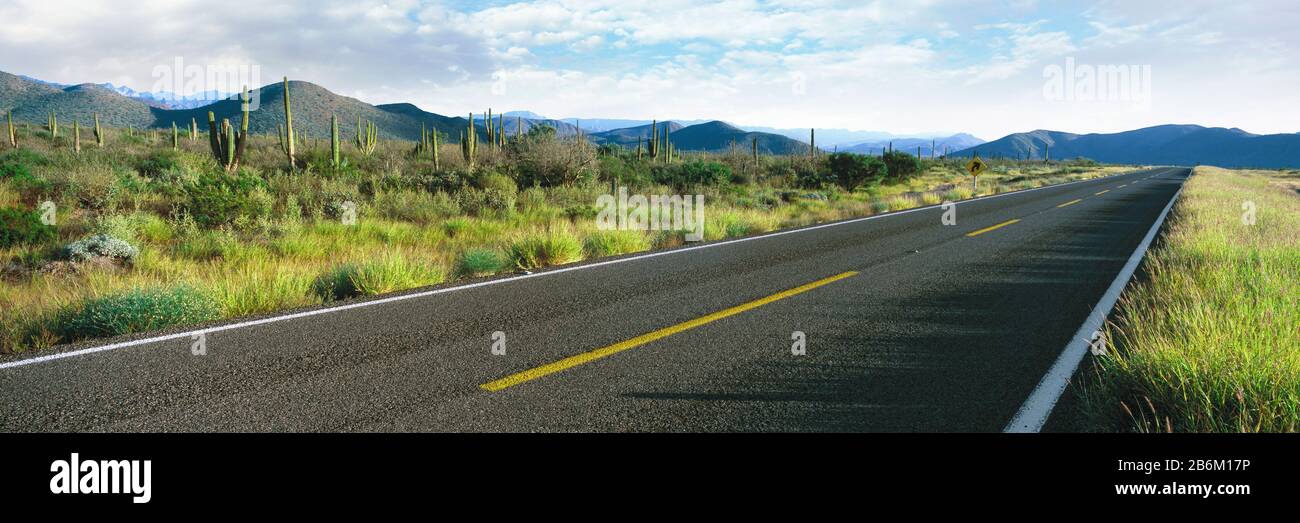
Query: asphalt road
x,y
909,325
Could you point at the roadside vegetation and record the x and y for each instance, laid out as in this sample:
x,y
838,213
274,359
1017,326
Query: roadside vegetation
x,y
1208,339
152,229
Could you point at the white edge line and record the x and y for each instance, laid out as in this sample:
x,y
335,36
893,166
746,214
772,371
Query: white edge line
x,y
414,295
1038,406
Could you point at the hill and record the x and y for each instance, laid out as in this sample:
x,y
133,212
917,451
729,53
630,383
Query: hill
x,y
709,136
955,142
1163,144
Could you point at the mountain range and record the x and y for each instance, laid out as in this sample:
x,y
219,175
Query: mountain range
x,y
1160,145
926,146
32,101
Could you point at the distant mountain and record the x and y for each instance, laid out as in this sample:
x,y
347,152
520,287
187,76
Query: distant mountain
x,y
515,119
162,99
597,125
955,142
32,101
524,114
1163,144
709,136
628,136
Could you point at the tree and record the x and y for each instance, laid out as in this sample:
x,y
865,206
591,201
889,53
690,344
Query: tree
x,y
851,171
901,165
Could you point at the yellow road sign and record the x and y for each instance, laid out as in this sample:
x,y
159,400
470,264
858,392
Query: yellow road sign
x,y
976,166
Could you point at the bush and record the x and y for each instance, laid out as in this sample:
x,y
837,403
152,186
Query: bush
x,y
21,176
18,227
135,311
542,159
850,171
215,199
900,165
100,245
542,250
479,262
159,163
695,172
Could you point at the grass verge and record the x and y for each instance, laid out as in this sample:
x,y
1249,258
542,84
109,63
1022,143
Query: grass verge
x,y
1207,341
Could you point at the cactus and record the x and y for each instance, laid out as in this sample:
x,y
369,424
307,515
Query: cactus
x,y
654,139
227,146
176,137
367,137
334,142
13,132
1047,153
812,144
519,126
469,144
288,140
99,133
194,129
754,147
638,148
76,136
53,125
490,124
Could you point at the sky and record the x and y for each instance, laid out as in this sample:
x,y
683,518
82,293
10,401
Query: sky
x,y
988,68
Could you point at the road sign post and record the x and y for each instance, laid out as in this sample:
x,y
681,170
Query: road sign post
x,y
976,166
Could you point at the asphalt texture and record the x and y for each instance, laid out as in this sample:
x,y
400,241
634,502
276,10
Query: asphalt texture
x,y
936,331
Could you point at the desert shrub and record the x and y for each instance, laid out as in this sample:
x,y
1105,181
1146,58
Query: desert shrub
x,y
850,171
542,250
214,199
22,227
100,245
900,165
625,172
479,262
691,173
136,310
160,163
540,158
484,202
879,206
613,243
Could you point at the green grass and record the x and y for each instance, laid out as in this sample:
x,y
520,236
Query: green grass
x,y
475,263
557,247
613,243
1207,341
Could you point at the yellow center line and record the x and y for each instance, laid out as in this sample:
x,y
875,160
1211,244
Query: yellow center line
x,y
987,229
1069,203
1102,192
573,361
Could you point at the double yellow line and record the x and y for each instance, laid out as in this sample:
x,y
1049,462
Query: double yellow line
x,y
586,357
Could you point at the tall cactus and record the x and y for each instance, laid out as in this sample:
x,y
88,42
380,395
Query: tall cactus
x,y
176,137
99,133
194,129
491,124
367,137
1047,153
288,140
812,144
227,146
754,149
469,144
53,125
76,136
334,142
13,131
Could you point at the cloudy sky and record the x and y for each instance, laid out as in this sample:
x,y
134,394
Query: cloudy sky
x,y
920,66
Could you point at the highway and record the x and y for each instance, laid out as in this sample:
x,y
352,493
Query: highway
x,y
908,325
